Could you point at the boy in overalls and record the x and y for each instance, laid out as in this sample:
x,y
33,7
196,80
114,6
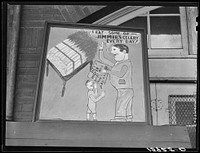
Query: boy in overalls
x,y
93,98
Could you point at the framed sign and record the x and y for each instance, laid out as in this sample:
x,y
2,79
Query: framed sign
x,y
93,73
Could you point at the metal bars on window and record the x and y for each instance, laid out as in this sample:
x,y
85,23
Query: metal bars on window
x,y
182,112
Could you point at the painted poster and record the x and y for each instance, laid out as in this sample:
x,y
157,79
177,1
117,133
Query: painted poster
x,y
93,73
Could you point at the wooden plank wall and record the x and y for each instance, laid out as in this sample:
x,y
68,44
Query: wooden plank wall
x,y
32,21
192,14
95,134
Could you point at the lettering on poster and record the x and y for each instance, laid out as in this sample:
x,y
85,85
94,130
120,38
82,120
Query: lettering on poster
x,y
116,37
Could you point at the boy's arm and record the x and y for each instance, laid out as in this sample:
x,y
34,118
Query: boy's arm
x,y
95,99
101,96
95,89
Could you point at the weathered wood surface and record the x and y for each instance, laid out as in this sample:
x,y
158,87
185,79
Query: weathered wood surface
x,y
95,134
192,13
12,60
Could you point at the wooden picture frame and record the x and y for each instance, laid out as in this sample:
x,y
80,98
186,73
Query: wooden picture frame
x,y
71,56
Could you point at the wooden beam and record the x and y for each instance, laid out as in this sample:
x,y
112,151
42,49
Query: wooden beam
x,y
126,13
12,63
192,13
173,80
95,134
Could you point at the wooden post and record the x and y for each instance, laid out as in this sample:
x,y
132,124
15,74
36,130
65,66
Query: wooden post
x,y
192,13
11,73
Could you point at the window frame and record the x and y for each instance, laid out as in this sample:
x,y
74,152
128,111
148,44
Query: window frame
x,y
170,51
191,14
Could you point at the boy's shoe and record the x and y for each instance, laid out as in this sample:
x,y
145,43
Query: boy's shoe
x,y
129,118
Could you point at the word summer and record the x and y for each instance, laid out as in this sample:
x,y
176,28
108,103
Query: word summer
x,y
131,39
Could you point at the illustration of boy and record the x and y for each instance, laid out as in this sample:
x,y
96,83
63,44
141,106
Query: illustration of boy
x,y
93,98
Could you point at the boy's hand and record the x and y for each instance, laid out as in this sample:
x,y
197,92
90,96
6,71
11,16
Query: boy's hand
x,y
103,93
101,47
104,71
95,86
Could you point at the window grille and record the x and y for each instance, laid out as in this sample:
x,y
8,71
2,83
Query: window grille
x,y
182,112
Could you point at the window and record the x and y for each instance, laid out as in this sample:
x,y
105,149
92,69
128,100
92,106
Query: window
x,y
163,34
166,30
